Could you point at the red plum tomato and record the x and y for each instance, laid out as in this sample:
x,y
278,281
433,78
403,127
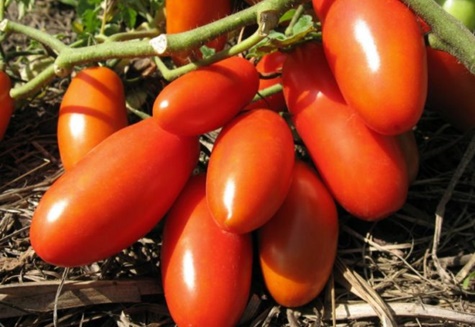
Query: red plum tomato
x,y
297,247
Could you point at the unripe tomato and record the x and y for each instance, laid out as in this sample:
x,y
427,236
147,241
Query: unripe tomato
x,y
451,89
270,64
185,15
297,247
113,196
206,271
376,51
207,98
364,170
463,10
6,102
92,109
249,170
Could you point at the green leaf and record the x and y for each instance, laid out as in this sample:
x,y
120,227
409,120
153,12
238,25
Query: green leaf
x,y
207,51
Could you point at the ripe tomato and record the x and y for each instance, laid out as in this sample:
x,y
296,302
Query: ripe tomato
x,y
92,108
408,144
321,8
113,196
270,64
6,101
185,15
206,271
297,247
376,51
207,98
365,171
249,170
451,89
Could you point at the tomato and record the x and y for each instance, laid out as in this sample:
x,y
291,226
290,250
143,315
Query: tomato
x,y
249,170
463,10
207,98
376,51
321,8
408,144
92,108
365,171
7,103
451,89
270,64
185,15
206,271
297,247
113,196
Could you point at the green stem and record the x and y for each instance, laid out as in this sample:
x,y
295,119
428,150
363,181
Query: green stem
x,y
448,33
53,43
264,93
34,85
234,50
298,13
2,9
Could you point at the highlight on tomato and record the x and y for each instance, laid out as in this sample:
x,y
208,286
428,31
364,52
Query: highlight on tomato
x,y
249,170
207,98
365,171
297,247
116,194
376,52
92,108
185,15
206,271
270,64
6,102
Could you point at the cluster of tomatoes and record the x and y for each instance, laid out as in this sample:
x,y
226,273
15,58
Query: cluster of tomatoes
x,y
353,99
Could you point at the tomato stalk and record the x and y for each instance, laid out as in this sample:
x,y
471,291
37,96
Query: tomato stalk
x,y
448,33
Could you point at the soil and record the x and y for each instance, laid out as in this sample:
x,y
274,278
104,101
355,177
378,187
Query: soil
x,y
414,268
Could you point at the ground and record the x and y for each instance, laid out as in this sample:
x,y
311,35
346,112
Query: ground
x,y
414,268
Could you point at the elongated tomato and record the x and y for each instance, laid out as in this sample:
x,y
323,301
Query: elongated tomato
x,y
207,98
206,271
6,102
92,108
297,247
270,64
364,170
249,171
114,196
376,51
185,15
451,89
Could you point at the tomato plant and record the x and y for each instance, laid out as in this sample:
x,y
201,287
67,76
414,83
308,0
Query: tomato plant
x,y
92,108
249,170
270,64
113,196
206,271
297,247
364,170
184,15
377,54
6,101
207,98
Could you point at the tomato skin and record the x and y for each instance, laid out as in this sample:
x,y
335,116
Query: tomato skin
x,y
463,10
365,171
249,170
207,98
185,15
206,271
92,108
376,51
321,8
408,144
297,247
270,64
7,103
113,196
451,89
